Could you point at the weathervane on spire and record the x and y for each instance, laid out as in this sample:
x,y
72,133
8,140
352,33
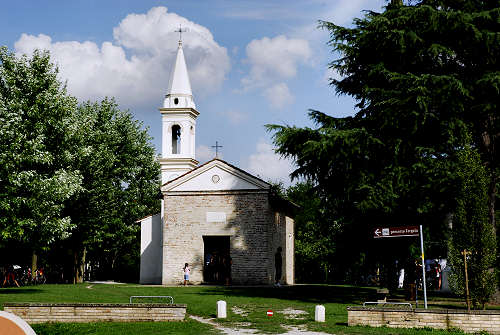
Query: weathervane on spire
x,y
180,31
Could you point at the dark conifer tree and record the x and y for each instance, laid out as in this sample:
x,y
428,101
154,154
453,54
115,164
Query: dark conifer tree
x,y
424,75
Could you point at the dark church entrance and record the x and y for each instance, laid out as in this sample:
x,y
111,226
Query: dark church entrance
x,y
217,260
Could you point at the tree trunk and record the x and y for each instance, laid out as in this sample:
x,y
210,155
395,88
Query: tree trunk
x,y
34,265
79,265
492,194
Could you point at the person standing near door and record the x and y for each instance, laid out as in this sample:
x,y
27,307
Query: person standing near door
x,y
186,271
278,264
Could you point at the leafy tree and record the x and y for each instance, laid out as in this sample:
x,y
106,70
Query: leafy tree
x,y
77,174
120,183
472,231
36,175
423,76
314,245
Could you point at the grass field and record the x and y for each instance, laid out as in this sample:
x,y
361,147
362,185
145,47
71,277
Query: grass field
x,y
201,301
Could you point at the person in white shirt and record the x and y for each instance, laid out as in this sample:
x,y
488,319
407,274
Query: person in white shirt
x,y
186,271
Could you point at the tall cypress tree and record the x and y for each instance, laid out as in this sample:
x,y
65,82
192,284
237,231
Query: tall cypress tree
x,y
472,232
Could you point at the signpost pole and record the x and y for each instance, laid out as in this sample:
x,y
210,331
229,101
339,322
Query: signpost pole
x,y
423,267
465,253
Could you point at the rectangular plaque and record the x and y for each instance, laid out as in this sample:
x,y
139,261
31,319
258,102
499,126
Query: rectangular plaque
x,y
216,217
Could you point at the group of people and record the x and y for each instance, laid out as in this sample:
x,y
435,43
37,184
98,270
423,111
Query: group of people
x,y
217,268
433,274
9,276
15,275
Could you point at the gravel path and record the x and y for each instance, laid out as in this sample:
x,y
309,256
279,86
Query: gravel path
x,y
237,331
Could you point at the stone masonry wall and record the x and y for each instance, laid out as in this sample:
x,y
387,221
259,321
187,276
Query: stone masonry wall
x,y
289,251
282,235
249,223
277,240
470,322
39,312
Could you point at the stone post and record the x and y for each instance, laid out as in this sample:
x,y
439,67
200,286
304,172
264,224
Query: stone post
x,y
221,309
319,313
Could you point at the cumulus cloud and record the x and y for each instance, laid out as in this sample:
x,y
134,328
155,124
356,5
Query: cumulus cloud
x,y
279,95
135,66
268,165
273,60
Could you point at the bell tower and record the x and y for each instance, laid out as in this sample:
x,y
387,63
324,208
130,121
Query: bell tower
x,y
178,123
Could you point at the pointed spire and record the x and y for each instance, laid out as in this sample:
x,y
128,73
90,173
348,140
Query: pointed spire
x,y
179,79
179,86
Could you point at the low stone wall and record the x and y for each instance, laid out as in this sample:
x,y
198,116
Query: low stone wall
x,y
41,312
474,321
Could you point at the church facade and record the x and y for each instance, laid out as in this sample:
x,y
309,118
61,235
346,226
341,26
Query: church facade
x,y
224,222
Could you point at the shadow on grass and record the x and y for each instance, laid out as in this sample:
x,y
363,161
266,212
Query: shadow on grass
x,y
20,290
305,293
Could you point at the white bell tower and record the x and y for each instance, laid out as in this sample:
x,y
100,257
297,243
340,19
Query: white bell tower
x,y
178,123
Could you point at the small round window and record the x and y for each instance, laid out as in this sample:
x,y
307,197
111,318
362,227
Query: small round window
x,y
215,179
176,101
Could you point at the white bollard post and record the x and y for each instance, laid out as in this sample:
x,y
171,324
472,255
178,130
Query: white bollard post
x,y
319,313
221,309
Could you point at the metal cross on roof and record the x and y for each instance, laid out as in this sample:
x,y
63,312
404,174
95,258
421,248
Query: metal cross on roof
x,y
216,146
180,31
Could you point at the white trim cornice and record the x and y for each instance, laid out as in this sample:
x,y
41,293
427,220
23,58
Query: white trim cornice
x,y
258,183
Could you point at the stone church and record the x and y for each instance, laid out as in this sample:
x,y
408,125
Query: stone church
x,y
211,210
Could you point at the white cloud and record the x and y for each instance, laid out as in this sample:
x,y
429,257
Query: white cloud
x,y
275,58
272,61
331,74
279,95
135,67
268,165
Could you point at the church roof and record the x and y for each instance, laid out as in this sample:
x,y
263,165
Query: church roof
x,y
215,175
229,178
179,79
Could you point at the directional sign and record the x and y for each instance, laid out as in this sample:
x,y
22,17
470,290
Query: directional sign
x,y
382,232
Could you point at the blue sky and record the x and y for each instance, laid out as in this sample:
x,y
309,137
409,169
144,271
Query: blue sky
x,y
251,62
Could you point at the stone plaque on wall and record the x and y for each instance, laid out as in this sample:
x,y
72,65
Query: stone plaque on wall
x,y
216,217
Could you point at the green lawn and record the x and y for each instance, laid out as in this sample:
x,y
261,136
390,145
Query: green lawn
x,y
201,301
